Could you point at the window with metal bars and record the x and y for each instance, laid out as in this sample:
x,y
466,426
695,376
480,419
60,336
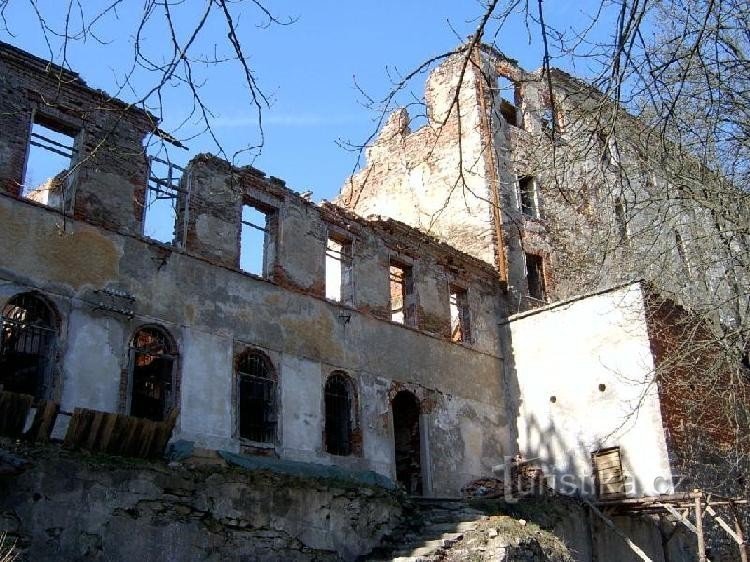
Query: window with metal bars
x,y
164,195
339,270
153,356
28,336
339,420
256,398
51,152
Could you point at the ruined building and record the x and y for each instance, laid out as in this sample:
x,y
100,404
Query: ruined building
x,y
424,328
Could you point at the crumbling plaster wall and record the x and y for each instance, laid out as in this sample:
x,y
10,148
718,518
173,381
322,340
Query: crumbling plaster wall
x,y
212,310
421,177
559,371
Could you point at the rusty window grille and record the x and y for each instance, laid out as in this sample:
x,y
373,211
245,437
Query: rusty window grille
x,y
338,404
165,195
459,309
51,153
535,277
152,365
27,346
257,398
339,270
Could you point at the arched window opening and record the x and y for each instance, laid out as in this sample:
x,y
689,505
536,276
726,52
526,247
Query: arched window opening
x,y
257,398
340,415
28,335
152,362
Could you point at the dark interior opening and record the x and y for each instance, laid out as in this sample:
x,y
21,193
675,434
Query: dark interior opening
x,y
153,365
27,339
338,400
407,441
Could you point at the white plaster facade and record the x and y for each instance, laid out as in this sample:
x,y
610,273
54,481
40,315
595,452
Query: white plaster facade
x,y
585,375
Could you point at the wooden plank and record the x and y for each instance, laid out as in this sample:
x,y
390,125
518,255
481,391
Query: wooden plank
x,y
106,432
682,519
91,441
740,532
723,524
609,523
699,529
44,421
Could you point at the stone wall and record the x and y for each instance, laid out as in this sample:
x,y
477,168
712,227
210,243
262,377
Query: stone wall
x,y
67,507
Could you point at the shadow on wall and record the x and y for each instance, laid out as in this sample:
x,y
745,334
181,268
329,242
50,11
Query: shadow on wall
x,y
553,450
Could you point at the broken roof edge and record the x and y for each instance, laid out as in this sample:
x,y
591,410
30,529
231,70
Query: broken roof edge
x,y
577,298
415,235
16,55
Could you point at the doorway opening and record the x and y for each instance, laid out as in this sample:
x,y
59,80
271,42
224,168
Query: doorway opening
x,y
406,433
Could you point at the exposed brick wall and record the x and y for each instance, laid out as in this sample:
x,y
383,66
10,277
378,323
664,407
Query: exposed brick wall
x,y
108,178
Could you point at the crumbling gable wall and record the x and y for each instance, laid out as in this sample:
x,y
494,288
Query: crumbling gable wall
x,y
106,181
420,176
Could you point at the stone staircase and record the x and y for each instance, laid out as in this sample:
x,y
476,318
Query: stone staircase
x,y
429,529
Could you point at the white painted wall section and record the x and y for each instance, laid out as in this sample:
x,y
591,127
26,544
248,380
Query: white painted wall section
x,y
567,351
207,413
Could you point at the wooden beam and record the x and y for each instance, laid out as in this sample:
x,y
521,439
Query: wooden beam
x,y
699,530
723,524
740,532
677,515
609,523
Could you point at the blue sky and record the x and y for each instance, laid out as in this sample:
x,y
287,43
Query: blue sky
x,y
307,69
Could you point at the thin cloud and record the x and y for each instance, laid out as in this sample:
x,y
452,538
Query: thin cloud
x,y
282,120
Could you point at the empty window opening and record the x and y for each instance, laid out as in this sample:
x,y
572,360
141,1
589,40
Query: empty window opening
x,y
459,307
27,346
508,93
164,195
608,149
339,270
407,445
608,475
535,277
256,239
402,290
339,420
257,398
621,219
527,196
152,370
680,244
51,153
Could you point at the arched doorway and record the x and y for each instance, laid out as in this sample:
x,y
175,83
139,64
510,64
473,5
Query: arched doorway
x,y
28,332
406,436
